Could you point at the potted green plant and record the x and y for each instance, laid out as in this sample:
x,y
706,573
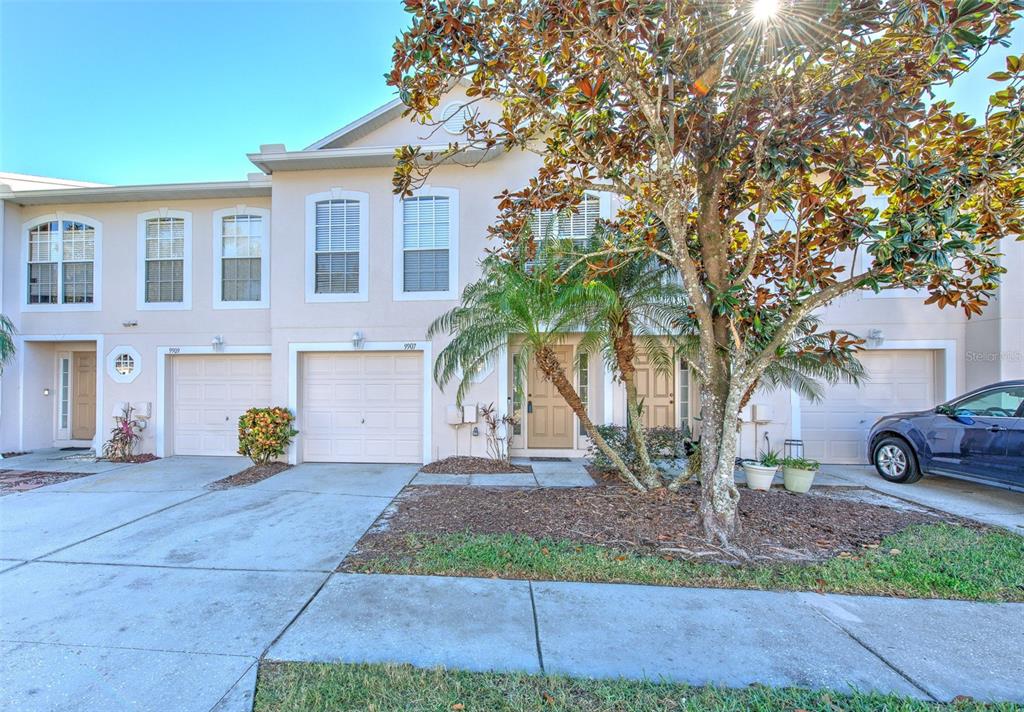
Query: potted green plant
x,y
761,472
798,473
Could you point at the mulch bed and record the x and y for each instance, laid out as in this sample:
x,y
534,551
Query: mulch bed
x,y
776,525
465,465
249,475
136,459
12,481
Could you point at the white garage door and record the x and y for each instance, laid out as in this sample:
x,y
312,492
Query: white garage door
x,y
835,430
210,392
362,407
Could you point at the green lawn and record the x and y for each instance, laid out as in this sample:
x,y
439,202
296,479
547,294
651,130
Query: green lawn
x,y
923,561
318,687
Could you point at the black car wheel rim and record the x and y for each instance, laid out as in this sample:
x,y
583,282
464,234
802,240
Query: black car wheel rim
x,y
892,461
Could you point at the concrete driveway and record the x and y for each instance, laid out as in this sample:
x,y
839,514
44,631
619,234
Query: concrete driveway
x,y
116,588
993,505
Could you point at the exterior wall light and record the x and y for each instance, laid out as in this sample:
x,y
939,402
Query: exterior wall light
x,y
358,340
217,343
875,338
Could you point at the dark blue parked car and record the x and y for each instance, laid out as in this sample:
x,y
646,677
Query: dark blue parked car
x,y
978,436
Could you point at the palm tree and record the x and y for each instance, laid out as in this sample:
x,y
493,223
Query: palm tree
x,y
7,332
634,308
804,362
530,298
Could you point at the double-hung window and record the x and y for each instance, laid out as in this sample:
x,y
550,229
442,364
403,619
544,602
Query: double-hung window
x,y
426,242
62,258
242,260
577,224
165,251
336,246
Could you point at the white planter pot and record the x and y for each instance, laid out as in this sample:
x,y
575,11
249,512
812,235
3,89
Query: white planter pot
x,y
797,480
759,477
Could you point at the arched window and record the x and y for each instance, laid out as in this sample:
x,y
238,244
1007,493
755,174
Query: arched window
x,y
62,254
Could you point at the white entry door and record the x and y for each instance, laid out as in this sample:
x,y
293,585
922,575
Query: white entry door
x,y
362,406
836,429
210,392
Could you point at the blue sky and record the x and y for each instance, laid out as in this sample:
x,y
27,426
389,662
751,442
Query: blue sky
x,y
148,92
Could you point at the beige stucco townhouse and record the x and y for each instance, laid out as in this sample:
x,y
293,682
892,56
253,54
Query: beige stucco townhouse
x,y
310,285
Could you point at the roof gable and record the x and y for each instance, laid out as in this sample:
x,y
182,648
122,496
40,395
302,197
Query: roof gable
x,y
386,127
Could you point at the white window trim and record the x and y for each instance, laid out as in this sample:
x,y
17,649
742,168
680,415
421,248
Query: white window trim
x,y
364,245
112,356
97,264
398,258
604,207
140,268
218,262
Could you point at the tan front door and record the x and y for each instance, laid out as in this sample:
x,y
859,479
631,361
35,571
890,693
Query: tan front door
x,y
83,414
548,417
657,392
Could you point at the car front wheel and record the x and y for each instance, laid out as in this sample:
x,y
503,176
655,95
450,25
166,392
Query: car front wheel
x,y
895,461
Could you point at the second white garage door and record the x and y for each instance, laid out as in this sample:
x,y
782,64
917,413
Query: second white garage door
x,y
362,407
835,430
210,392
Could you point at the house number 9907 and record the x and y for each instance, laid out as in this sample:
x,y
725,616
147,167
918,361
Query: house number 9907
x,y
411,346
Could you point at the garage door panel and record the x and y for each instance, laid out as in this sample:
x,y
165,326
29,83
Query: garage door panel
x,y
375,402
835,430
209,394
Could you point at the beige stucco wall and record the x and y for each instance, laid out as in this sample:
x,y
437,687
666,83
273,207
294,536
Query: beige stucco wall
x,y
984,349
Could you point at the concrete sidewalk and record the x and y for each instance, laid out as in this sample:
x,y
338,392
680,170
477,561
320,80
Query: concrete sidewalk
x,y
928,649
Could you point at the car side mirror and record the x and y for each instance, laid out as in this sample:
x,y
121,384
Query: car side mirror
x,y
943,410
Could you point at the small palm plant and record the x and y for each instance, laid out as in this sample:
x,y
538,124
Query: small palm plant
x,y
526,296
634,307
7,332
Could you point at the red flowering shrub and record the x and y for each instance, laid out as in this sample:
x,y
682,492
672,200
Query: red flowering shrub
x,y
265,433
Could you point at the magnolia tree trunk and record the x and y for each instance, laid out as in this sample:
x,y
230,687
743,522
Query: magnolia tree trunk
x,y
719,445
552,369
625,355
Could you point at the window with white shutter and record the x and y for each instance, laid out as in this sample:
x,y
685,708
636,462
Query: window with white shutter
x,y
337,247
576,225
336,240
61,267
426,237
165,260
426,245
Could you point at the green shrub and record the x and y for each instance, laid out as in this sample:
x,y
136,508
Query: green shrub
x,y
265,433
662,444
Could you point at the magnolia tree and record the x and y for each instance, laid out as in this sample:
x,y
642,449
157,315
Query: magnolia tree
x,y
752,134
